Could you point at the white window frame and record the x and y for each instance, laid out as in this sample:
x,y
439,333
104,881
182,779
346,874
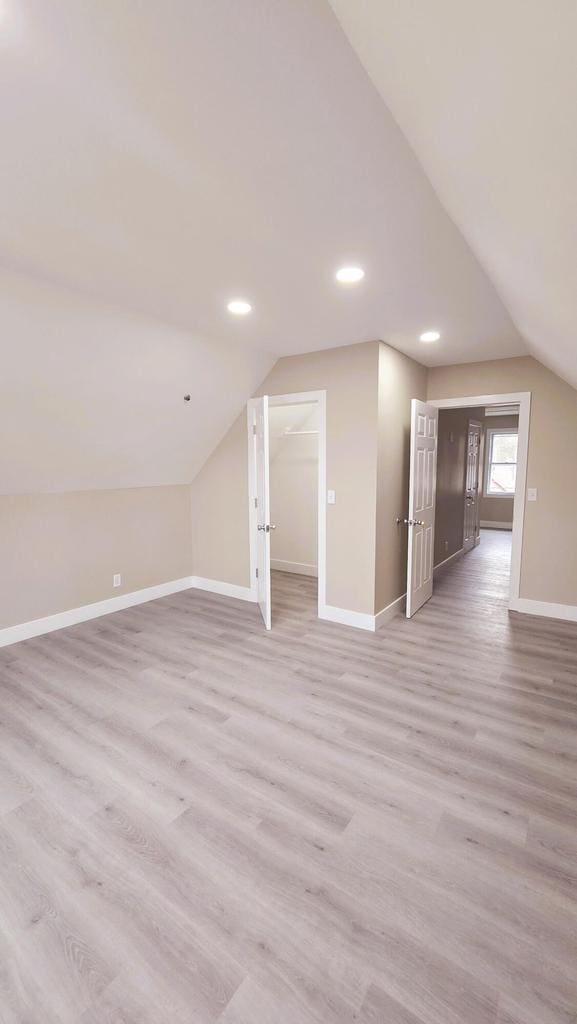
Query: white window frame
x,y
489,435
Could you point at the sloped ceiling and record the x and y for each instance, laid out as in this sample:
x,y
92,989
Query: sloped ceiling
x,y
486,93
159,159
93,397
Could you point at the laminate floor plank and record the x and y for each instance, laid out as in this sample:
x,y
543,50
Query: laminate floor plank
x,y
205,823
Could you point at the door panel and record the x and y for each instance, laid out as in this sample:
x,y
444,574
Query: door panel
x,y
421,520
258,418
471,520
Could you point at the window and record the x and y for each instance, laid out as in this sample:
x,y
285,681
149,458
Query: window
x,y
501,470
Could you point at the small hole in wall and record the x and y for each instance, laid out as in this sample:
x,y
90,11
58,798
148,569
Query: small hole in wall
x,y
187,398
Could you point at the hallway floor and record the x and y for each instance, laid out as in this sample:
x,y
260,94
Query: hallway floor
x,y
201,822
480,579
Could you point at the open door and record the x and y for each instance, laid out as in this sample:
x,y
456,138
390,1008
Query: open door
x,y
471,519
260,495
421,521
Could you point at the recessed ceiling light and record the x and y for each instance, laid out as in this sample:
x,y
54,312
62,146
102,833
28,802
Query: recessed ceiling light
x,y
430,336
239,306
350,275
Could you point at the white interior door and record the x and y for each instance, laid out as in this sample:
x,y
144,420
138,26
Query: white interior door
x,y
421,521
258,419
471,515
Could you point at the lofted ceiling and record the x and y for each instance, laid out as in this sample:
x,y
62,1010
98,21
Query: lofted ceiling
x,y
159,160
92,396
168,157
486,93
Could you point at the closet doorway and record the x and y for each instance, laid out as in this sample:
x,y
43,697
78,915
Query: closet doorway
x,y
287,458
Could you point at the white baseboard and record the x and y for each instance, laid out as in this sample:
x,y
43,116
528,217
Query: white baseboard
x,y
362,620
394,608
301,568
37,627
226,589
487,524
347,618
27,630
545,608
451,558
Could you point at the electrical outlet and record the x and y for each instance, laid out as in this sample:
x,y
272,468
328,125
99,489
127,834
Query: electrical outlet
x,y
116,579
331,498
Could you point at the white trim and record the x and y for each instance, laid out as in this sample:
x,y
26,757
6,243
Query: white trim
x,y
37,627
359,620
252,520
506,410
223,588
451,558
300,568
393,609
523,400
300,398
526,606
516,398
487,524
490,433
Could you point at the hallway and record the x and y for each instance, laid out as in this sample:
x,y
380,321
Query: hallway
x,y
478,583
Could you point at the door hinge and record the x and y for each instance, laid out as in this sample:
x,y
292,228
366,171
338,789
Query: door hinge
x,y
256,502
257,574
254,428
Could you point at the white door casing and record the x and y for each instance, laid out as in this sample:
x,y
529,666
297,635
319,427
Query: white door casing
x,y
421,520
260,500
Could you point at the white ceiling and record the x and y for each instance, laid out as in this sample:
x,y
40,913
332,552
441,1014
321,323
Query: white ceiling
x,y
165,157
93,397
486,93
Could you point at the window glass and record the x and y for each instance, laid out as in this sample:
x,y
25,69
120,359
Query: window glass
x,y
504,448
502,479
502,462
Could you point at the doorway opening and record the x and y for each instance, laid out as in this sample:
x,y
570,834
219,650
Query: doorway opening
x,y
467,494
475,493
293,466
287,479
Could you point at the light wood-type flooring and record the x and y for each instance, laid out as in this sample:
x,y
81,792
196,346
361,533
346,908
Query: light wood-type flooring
x,y
200,822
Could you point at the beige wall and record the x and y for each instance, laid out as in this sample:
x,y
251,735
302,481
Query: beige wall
x,y
60,551
451,464
219,511
496,509
294,488
400,380
549,556
220,492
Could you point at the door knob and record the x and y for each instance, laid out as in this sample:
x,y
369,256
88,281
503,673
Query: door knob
x,y
411,522
267,527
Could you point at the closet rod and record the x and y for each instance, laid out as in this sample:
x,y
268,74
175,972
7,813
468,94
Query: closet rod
x,y
293,433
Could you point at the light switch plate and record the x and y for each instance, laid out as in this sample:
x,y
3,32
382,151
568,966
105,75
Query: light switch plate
x,y
531,494
116,579
331,497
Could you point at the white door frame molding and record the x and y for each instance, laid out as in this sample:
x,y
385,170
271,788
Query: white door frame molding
x,y
523,400
302,398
